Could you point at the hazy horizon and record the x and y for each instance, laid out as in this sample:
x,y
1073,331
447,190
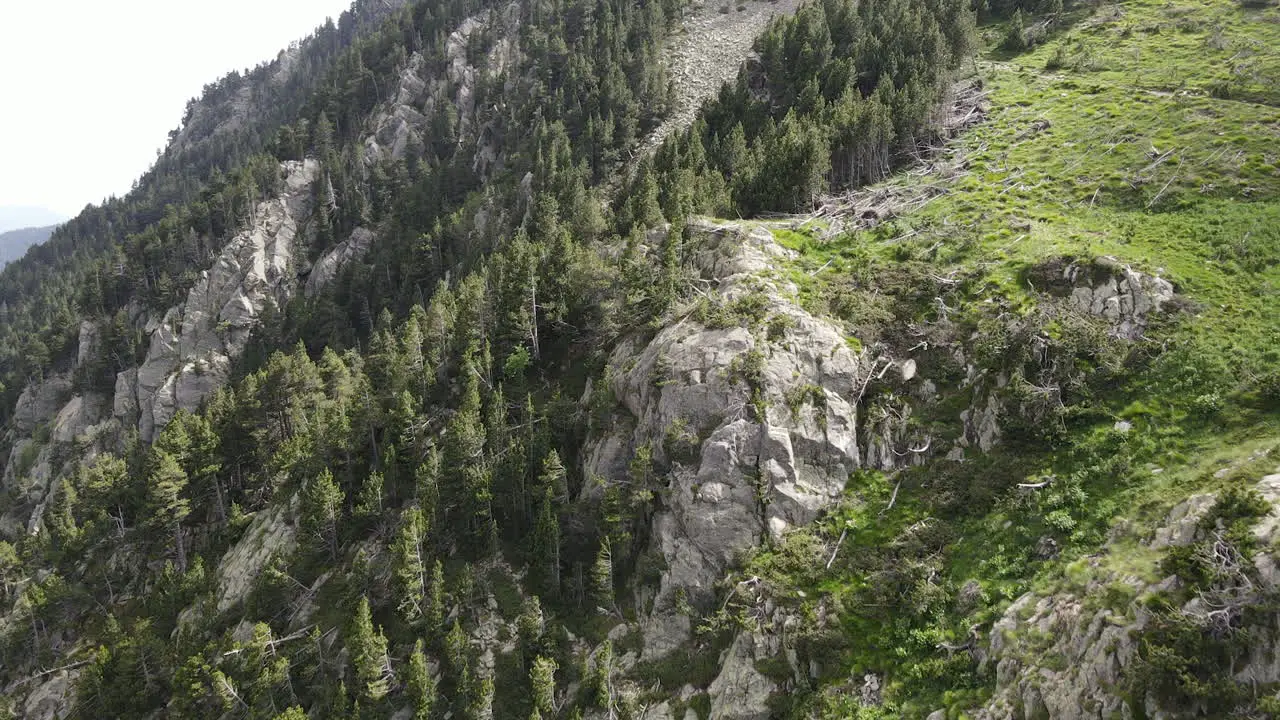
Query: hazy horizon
x,y
20,217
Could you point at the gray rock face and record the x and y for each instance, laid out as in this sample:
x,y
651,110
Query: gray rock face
x,y
750,473
88,345
46,418
39,402
758,428
740,692
327,267
52,698
1123,296
193,345
422,91
270,532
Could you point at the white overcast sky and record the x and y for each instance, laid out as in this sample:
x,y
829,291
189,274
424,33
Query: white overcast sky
x,y
89,89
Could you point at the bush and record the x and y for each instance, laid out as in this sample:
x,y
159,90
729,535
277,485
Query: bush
x,y
1057,60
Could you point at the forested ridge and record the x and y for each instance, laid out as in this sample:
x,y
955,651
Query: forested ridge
x,y
443,482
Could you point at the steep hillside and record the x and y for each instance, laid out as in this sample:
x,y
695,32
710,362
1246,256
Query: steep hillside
x,y
456,392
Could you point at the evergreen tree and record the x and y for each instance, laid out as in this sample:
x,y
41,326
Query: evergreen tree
x,y
368,649
169,507
458,654
369,500
410,565
602,676
60,518
464,454
545,548
321,509
419,685
602,576
542,685
435,609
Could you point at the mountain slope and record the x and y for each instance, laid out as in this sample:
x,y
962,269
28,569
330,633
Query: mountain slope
x,y
14,243
971,410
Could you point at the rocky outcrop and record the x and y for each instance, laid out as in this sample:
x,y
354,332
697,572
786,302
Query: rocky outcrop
x,y
40,402
193,345
270,533
327,267
87,349
753,413
422,91
1124,296
1064,656
52,698
759,428
1109,289
46,419
740,691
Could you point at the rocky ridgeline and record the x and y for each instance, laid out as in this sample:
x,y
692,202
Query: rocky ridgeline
x,y
191,348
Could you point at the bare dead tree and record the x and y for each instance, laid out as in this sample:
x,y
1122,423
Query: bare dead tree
x,y
1220,607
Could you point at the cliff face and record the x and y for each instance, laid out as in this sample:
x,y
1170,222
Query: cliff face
x,y
757,417
192,345
191,348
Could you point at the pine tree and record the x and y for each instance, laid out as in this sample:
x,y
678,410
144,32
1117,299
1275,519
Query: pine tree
x,y
531,627
419,684
464,454
410,565
542,685
602,677
368,649
60,517
554,477
457,651
321,508
480,706
165,489
545,548
435,610
1015,36
369,500
602,576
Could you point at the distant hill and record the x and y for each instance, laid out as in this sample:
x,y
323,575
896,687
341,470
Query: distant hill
x,y
14,244
14,217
